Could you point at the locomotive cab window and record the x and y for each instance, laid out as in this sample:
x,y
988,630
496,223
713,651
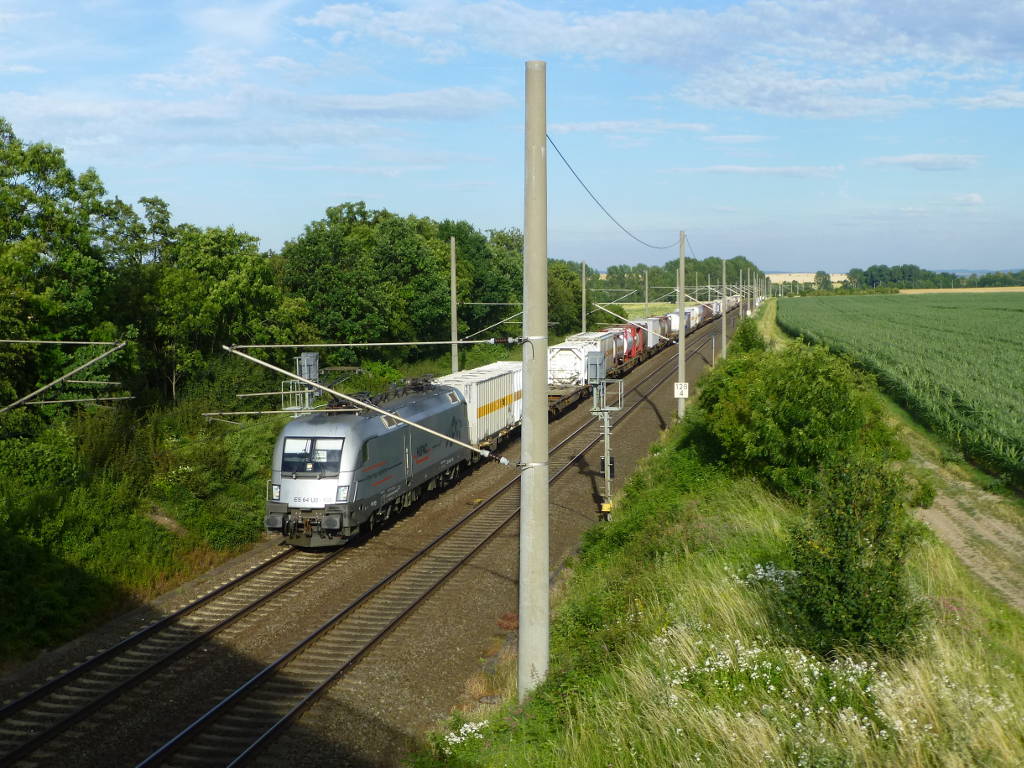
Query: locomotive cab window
x,y
319,455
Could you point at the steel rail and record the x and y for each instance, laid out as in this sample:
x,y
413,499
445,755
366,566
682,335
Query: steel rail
x,y
195,729
133,679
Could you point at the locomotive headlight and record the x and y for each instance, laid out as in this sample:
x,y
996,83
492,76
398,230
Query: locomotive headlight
x,y
342,493
275,492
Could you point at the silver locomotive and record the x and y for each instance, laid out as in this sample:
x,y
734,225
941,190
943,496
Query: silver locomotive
x,y
337,473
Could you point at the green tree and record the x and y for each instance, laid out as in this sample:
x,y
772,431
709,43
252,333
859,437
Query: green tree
x,y
565,296
218,289
371,276
822,281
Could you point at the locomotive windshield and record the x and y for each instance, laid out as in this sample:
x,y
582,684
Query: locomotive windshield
x,y
321,455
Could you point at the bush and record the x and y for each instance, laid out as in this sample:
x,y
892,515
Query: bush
x,y
850,555
747,338
782,415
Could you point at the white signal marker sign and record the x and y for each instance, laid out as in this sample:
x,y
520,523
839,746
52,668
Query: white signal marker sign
x,y
682,389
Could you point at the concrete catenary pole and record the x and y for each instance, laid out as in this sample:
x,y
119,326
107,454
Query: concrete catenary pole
x,y
742,296
455,319
725,310
583,287
533,519
681,407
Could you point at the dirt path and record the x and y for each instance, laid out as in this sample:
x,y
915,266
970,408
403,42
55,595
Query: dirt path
x,y
986,531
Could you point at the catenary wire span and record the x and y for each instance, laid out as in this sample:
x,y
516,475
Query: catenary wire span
x,y
692,252
599,205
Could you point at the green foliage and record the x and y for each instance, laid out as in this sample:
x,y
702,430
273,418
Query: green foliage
x,y
950,359
850,553
782,415
699,272
747,338
913,276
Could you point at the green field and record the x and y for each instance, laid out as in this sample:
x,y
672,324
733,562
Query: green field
x,y
955,361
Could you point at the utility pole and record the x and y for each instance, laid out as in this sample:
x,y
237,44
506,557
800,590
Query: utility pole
x,y
725,310
455,319
742,297
583,284
681,396
533,517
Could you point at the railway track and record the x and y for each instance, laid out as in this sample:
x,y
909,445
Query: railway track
x,y
34,720
248,718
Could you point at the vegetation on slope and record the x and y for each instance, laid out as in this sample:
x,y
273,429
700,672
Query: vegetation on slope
x,y
711,623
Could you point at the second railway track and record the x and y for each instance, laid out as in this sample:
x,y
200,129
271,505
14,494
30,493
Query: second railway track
x,y
32,721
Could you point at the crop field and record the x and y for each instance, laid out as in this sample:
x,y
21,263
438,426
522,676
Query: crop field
x,y
955,361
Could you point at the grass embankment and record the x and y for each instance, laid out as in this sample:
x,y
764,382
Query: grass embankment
x,y
108,508
678,643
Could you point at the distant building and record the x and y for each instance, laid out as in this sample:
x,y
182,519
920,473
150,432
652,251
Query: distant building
x,y
803,277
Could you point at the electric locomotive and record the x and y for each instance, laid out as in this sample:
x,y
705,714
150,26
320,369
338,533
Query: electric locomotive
x,y
337,473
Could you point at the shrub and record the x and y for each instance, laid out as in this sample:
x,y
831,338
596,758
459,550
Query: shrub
x,y
747,338
782,415
850,555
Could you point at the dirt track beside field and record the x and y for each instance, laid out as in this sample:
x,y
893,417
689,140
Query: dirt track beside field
x,y
998,289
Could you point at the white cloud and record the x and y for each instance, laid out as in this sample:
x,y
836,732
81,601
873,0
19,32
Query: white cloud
x,y
280,64
1001,99
388,171
250,23
972,199
21,69
772,91
737,139
925,162
438,104
627,126
796,171
204,67
854,57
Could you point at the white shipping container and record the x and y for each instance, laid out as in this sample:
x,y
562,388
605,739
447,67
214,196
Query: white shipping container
x,y
673,319
656,330
494,397
567,362
693,317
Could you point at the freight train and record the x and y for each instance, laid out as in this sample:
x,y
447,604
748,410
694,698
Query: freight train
x,y
346,470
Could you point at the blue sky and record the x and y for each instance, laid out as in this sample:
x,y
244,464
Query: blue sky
x,y
804,134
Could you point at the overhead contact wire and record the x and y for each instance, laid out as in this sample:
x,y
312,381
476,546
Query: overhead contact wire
x,y
599,204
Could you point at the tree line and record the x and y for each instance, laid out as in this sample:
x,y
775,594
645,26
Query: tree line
x,y
699,272
78,264
913,276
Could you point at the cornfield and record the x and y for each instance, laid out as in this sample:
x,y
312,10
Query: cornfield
x,y
955,361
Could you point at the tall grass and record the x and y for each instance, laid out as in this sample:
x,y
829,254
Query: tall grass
x,y
670,650
678,643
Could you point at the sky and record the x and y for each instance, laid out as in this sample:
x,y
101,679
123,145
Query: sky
x,y
802,134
